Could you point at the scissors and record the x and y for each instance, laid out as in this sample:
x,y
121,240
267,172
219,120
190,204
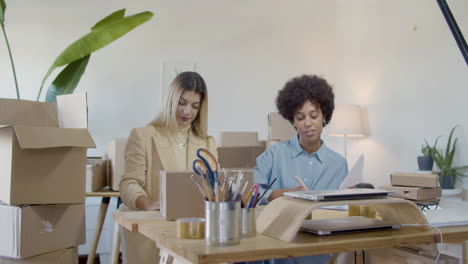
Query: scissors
x,y
206,166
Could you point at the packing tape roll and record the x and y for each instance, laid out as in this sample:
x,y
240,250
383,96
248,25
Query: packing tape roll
x,y
190,227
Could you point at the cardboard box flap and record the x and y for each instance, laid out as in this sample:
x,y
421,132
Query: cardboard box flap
x,y
73,110
50,137
15,112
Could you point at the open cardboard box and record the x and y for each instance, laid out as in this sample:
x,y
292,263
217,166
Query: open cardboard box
x,y
43,150
33,230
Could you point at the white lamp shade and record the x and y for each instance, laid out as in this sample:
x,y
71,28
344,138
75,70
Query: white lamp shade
x,y
347,121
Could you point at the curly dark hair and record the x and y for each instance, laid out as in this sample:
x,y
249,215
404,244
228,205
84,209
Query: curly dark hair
x,y
304,88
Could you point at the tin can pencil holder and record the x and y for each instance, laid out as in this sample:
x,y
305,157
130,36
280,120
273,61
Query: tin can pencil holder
x,y
248,220
223,226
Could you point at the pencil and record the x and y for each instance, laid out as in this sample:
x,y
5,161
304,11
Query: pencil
x,y
301,182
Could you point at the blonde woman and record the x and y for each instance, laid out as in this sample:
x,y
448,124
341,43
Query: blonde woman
x,y
169,142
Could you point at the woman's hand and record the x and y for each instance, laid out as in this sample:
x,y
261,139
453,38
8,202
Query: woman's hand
x,y
278,193
146,204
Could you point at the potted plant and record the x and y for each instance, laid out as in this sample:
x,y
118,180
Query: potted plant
x,y
426,161
444,159
76,56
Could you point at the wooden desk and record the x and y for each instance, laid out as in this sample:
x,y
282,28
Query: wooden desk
x,y
262,247
106,196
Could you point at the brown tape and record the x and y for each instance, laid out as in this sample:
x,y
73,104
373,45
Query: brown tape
x,y
191,228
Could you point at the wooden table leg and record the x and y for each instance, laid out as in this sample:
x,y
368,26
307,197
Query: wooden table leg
x,y
465,251
116,239
100,222
359,257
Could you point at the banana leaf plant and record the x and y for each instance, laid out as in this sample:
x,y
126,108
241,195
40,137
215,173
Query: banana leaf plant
x,y
448,173
2,25
75,57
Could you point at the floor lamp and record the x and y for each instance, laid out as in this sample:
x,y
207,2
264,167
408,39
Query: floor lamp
x,y
347,121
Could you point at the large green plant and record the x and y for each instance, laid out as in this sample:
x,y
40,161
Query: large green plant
x,y
76,56
444,159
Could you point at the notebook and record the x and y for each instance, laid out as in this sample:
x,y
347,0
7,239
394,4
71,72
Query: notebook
x,y
345,225
336,195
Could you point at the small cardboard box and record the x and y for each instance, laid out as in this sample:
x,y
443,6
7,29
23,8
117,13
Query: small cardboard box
x,y
63,256
239,157
32,230
40,162
180,196
279,128
116,155
238,139
414,179
96,174
414,193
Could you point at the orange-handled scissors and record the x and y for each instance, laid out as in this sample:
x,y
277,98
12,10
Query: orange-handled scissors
x,y
207,166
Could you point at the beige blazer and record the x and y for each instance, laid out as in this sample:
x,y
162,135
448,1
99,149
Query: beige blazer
x,y
150,150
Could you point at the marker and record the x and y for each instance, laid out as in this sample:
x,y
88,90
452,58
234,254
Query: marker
x,y
301,183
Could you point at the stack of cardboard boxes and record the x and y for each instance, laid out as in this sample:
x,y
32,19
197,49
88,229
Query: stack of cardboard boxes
x,y
42,179
414,186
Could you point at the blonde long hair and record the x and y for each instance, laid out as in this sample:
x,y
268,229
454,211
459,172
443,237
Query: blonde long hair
x,y
185,81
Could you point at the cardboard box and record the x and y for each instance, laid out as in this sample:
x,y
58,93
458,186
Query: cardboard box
x,y
238,139
116,155
32,230
239,157
180,196
415,179
40,162
279,128
63,256
414,193
96,174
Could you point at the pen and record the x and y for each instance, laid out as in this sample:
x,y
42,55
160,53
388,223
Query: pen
x,y
301,183
266,190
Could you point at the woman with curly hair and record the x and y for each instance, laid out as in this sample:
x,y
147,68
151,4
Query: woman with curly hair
x,y
307,102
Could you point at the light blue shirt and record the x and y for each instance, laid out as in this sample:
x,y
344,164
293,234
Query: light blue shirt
x,y
321,170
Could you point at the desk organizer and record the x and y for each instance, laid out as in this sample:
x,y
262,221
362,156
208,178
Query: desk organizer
x,y
282,218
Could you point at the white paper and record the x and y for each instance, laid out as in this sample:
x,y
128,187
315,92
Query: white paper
x,y
355,174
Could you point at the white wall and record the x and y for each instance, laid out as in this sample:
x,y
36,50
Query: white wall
x,y
397,58
246,51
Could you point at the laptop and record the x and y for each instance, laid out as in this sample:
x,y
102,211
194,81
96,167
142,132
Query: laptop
x,y
336,195
345,225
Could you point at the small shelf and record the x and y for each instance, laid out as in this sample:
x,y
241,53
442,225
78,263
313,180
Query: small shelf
x,y
282,218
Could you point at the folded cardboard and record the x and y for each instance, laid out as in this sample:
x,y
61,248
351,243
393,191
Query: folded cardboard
x,y
116,155
180,196
40,162
33,230
239,157
238,139
414,193
415,179
279,128
96,174
63,256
